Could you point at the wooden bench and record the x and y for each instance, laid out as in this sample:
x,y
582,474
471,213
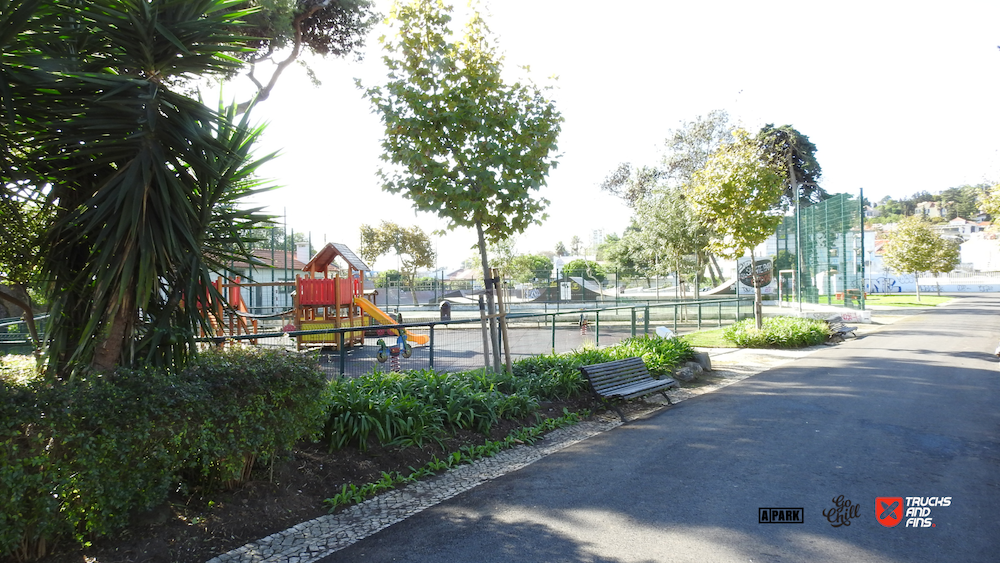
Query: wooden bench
x,y
624,379
839,329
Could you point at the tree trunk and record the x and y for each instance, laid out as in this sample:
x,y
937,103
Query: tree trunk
x,y
490,304
715,262
697,276
108,351
916,283
678,290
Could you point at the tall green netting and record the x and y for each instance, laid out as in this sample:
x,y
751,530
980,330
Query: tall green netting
x,y
830,268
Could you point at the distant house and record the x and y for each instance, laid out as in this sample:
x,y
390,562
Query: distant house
x,y
960,228
273,277
932,209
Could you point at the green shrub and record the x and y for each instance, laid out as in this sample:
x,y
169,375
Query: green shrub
x,y
558,376
78,458
377,405
778,332
661,355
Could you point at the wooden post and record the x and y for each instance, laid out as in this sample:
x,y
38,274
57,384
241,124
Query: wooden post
x,y
486,338
502,313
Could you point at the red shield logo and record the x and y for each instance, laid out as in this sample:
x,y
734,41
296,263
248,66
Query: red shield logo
x,y
889,510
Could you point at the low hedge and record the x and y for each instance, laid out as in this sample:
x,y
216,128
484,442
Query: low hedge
x,y
78,459
778,332
661,355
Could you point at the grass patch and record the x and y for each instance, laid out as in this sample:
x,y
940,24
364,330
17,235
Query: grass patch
x,y
906,300
713,338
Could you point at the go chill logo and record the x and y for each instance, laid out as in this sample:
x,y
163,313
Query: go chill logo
x,y
890,511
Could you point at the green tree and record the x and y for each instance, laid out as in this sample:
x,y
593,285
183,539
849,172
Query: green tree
x,y
739,192
281,30
461,141
687,149
561,249
962,201
528,267
914,247
670,231
588,269
629,256
989,201
947,257
145,182
576,246
785,147
411,244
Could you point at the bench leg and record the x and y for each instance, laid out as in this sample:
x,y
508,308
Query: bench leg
x,y
617,409
667,397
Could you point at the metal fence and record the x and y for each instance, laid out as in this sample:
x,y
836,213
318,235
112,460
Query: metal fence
x,y
14,337
830,267
457,345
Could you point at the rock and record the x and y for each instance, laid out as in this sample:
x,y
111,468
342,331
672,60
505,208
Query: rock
x,y
688,372
703,360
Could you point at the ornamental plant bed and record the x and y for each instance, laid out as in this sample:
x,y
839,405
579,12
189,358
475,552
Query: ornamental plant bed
x,y
195,528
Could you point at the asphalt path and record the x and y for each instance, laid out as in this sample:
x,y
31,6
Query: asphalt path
x,y
912,410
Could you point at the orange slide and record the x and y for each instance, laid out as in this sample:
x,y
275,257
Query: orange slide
x,y
382,317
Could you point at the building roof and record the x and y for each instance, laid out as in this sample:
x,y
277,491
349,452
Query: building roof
x,y
282,260
326,255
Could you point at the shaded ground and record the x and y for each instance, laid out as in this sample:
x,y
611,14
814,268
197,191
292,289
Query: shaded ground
x,y
198,527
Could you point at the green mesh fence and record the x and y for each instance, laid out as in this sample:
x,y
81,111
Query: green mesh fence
x,y
830,267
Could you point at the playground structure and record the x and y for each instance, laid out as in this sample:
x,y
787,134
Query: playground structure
x,y
323,302
326,296
235,319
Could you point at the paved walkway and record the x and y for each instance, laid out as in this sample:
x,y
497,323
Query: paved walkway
x,y
322,537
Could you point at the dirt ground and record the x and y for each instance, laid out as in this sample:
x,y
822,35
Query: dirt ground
x,y
195,528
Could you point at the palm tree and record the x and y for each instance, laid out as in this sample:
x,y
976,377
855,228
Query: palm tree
x,y
146,181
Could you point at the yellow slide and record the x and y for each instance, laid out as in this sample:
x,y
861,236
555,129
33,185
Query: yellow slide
x,y
381,316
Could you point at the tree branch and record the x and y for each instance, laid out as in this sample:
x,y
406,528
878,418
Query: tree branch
x,y
263,92
29,315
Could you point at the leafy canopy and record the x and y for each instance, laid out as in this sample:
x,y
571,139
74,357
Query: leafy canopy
x,y
914,246
738,195
784,145
128,189
528,267
411,244
459,141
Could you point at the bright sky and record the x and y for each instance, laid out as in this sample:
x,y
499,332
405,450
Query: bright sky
x,y
898,97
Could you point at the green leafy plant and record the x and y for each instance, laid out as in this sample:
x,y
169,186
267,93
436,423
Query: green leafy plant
x,y
81,457
352,494
778,332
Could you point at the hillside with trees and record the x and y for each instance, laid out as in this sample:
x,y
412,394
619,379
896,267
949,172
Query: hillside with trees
x,y
962,201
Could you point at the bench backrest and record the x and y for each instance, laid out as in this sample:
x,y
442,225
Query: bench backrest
x,y
619,373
